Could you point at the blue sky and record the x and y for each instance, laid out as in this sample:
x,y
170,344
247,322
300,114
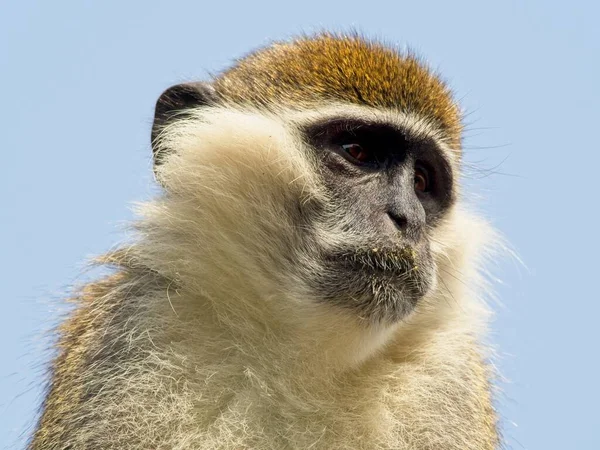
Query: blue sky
x,y
78,81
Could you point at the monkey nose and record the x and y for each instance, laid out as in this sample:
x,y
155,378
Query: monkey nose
x,y
400,221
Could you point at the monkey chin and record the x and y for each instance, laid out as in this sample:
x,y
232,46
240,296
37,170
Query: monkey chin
x,y
379,285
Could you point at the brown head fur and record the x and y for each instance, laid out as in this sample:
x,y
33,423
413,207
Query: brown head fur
x,y
310,71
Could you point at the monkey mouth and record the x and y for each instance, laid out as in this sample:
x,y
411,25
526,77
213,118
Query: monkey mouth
x,y
400,261
380,283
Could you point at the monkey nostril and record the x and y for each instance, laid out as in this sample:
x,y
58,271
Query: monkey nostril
x,y
399,220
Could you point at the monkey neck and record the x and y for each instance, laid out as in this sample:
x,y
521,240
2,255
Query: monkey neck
x,y
274,331
201,328
321,344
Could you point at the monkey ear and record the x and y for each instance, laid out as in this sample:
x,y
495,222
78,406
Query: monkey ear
x,y
172,103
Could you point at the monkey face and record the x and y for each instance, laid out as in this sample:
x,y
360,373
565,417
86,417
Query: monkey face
x,y
321,168
387,190
334,207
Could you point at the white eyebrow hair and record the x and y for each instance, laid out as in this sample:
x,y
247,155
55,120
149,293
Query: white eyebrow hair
x,y
413,124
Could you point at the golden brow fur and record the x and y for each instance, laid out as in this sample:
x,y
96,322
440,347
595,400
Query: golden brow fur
x,y
325,68
205,338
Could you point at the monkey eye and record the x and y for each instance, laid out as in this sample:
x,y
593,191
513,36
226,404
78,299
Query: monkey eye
x,y
422,182
360,154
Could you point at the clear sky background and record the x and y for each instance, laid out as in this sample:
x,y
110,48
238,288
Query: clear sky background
x,y
78,82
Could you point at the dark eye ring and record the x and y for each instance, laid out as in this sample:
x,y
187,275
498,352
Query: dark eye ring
x,y
357,152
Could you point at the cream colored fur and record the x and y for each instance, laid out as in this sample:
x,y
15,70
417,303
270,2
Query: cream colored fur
x,y
215,343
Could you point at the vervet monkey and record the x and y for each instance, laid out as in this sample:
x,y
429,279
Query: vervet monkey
x,y
308,278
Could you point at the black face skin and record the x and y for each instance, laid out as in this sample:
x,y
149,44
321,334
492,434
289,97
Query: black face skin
x,y
393,187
